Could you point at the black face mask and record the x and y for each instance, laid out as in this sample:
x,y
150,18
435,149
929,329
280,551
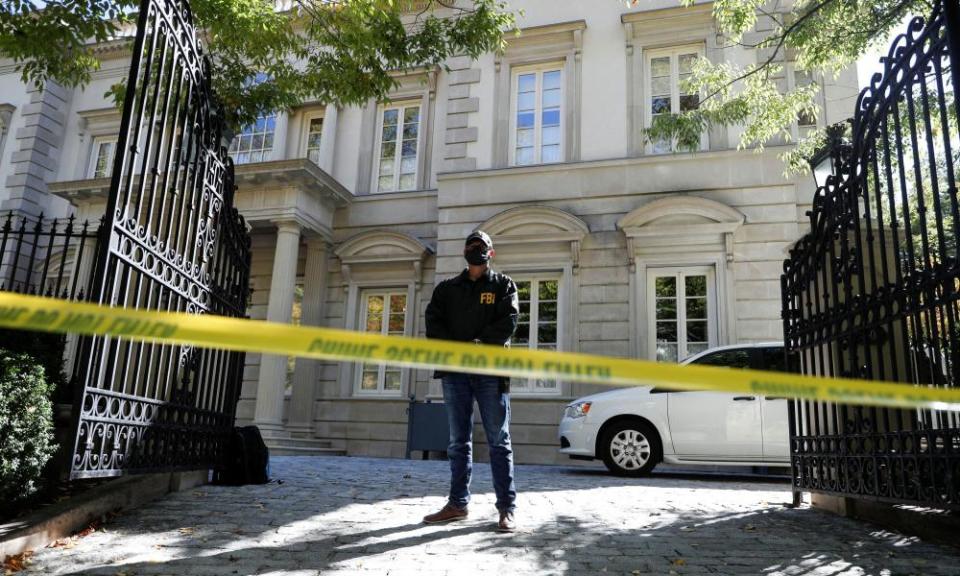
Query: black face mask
x,y
477,255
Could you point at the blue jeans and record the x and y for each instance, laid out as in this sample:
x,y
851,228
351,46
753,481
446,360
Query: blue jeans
x,y
459,392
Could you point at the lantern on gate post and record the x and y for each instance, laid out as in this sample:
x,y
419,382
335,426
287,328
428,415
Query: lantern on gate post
x,y
826,160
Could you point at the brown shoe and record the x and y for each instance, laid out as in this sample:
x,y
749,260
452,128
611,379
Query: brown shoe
x,y
448,513
506,523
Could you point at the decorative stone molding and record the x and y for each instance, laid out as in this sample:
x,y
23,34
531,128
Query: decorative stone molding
x,y
537,228
561,42
462,101
379,247
681,221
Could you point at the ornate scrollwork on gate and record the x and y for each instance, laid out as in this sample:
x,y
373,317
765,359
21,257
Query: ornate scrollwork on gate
x,y
873,291
174,243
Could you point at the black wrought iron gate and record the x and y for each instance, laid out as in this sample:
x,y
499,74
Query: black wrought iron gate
x,y
873,291
173,242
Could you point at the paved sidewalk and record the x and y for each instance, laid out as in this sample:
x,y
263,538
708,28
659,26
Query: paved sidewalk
x,y
362,516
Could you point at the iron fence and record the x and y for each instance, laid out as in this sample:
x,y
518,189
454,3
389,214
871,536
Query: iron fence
x,y
872,290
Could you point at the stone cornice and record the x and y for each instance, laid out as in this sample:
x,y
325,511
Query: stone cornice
x,y
648,16
298,172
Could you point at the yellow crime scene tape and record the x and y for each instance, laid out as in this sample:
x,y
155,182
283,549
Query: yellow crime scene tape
x,y
62,316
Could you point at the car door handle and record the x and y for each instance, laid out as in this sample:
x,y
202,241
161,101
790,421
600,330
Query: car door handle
x,y
744,398
775,397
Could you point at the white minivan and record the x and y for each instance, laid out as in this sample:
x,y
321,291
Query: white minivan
x,y
634,429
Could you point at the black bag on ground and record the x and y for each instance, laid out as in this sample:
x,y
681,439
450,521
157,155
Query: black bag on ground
x,y
247,460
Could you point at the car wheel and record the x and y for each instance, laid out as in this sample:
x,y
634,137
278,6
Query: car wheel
x,y
630,448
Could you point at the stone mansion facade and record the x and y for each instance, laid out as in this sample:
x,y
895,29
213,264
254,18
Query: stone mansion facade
x,y
619,246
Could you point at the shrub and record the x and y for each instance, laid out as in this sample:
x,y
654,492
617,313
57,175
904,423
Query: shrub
x,y
26,425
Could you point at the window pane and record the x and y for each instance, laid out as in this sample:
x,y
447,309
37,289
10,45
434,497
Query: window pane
x,y
660,66
398,303
551,79
697,331
526,83
409,148
666,286
525,119
660,105
257,142
391,380
522,335
667,331
551,99
525,138
385,184
389,134
696,285
408,165
396,323
390,116
666,352
686,63
386,166
548,290
547,311
696,347
696,308
550,117
524,156
660,86
551,135
411,115
388,150
547,333
666,309
689,102
369,381
526,101
550,154
523,290
410,131
408,182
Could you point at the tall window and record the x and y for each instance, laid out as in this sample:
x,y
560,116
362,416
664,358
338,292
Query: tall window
x,y
399,142
384,312
537,126
667,70
682,312
101,156
537,326
314,131
806,122
255,142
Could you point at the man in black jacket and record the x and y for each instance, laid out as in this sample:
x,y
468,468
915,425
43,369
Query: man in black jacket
x,y
480,306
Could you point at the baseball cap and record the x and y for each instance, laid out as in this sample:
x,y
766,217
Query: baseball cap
x,y
480,235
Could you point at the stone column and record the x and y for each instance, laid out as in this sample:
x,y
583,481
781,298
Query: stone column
x,y
273,368
280,133
328,138
305,372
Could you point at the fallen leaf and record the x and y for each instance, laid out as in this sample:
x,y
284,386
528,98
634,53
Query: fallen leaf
x,y
16,562
187,530
749,527
678,562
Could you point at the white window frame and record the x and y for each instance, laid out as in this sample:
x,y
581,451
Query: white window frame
x,y
305,142
95,146
538,69
267,152
674,53
651,307
400,105
364,296
797,131
529,388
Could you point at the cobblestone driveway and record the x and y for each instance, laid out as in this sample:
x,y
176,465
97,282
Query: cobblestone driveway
x,y
362,516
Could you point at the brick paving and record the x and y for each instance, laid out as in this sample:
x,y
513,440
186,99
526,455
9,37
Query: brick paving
x,y
362,516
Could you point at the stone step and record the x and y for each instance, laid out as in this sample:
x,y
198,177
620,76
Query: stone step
x,y
302,442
